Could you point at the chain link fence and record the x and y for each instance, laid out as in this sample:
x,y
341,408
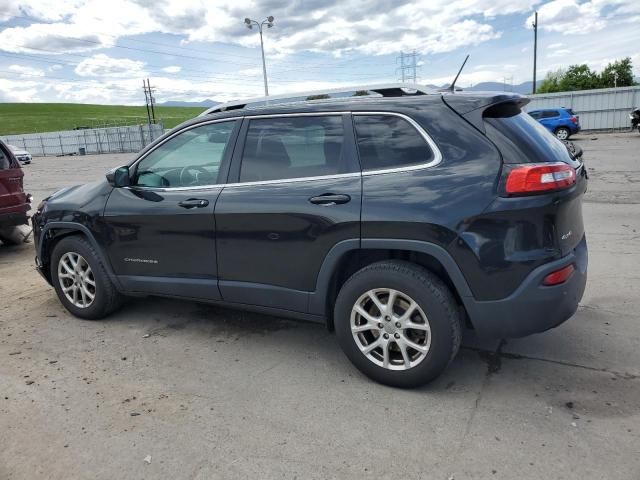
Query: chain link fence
x,y
124,139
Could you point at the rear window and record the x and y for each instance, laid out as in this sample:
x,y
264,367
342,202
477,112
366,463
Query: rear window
x,y
386,141
521,139
550,114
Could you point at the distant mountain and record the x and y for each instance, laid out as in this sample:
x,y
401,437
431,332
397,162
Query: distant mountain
x,y
204,104
523,88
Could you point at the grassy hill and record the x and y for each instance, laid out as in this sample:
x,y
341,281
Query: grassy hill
x,y
51,117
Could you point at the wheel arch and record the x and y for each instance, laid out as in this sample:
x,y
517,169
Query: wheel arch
x,y
347,257
53,232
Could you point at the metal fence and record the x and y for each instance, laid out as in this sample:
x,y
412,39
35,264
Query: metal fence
x,y
601,109
132,138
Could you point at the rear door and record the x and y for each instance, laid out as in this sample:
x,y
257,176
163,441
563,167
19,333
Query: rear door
x,y
161,229
549,118
294,193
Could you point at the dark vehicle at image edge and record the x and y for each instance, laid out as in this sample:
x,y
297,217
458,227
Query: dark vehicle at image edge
x,y
397,220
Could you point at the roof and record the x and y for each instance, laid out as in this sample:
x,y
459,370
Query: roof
x,y
381,90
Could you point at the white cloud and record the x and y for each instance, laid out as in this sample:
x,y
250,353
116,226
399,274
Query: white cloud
x,y
571,17
102,65
172,69
334,26
26,71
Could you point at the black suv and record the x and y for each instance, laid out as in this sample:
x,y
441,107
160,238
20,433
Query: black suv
x,y
397,220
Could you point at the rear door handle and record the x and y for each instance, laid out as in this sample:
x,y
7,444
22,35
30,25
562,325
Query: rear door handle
x,y
328,199
194,203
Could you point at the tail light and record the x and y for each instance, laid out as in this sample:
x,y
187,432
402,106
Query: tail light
x,y
539,177
574,119
559,276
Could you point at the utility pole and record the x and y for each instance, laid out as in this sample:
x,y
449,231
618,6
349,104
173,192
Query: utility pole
x,y
535,49
408,66
146,102
269,23
152,100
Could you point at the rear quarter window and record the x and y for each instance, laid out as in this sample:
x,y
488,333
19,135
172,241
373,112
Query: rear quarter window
x,y
388,141
521,139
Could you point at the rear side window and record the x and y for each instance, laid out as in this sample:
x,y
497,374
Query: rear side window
x,y
550,114
387,141
293,147
521,139
535,115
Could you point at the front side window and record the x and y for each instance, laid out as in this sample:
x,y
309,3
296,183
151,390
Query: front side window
x,y
550,114
293,147
386,141
191,158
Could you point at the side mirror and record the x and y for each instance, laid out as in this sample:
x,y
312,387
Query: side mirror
x,y
119,177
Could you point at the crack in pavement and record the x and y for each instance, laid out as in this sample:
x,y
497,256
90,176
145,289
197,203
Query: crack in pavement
x,y
494,362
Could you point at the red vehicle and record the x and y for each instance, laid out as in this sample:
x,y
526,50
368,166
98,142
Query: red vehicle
x,y
14,203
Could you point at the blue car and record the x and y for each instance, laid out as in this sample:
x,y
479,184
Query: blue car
x,y
562,122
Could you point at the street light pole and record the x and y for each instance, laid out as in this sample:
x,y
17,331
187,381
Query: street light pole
x,y
269,23
535,49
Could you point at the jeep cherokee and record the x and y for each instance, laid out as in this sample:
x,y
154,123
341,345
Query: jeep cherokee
x,y
396,219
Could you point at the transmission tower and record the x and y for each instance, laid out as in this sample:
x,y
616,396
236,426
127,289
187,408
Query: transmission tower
x,y
408,66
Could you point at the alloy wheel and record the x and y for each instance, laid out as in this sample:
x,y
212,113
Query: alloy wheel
x,y
76,279
390,329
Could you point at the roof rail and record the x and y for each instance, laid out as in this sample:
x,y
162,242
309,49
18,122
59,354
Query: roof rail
x,y
385,90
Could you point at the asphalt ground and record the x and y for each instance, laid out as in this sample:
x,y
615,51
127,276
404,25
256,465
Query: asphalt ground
x,y
171,389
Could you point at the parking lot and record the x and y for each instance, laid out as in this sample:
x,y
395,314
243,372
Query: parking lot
x,y
170,389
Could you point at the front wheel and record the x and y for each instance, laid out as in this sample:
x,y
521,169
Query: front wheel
x,y
398,323
562,133
81,280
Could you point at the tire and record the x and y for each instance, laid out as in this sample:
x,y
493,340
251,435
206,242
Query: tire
x,y
563,133
15,235
106,298
433,300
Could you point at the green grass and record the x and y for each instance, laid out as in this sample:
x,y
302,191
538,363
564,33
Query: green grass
x,y
18,118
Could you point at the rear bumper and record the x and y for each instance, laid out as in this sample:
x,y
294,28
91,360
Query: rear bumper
x,y
533,307
12,219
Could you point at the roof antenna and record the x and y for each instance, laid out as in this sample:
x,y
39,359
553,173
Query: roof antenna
x,y
453,84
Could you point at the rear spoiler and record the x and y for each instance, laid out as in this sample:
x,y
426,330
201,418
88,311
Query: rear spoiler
x,y
471,106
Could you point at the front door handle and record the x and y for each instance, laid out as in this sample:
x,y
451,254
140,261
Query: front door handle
x,y
194,203
328,199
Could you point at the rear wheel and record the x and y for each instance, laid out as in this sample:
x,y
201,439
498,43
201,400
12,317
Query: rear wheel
x,y
398,323
81,281
562,133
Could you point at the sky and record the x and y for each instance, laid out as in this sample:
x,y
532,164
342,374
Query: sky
x,y
98,51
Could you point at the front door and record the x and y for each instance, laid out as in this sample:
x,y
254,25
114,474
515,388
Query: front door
x,y
294,193
161,230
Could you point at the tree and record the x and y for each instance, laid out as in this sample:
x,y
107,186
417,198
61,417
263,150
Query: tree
x,y
623,69
578,77
551,82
